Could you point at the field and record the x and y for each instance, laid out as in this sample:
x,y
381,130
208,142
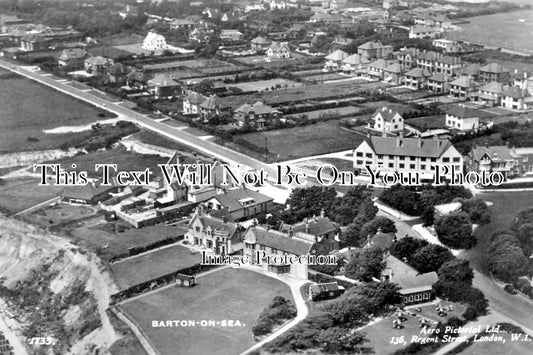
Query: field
x,y
298,142
19,194
227,294
262,85
141,268
101,236
29,108
381,333
330,112
314,164
428,122
59,214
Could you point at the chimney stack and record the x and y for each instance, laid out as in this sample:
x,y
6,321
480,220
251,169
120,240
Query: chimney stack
x,y
322,213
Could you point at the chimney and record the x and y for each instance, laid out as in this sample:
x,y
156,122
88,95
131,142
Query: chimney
x,y
306,221
419,142
225,219
398,142
322,213
291,232
314,218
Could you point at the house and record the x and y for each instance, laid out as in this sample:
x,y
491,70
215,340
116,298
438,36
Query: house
x,y
516,98
162,85
72,57
463,87
259,241
192,102
387,120
393,74
493,159
354,64
320,230
137,79
257,115
471,70
230,36
490,94
427,60
423,32
217,235
448,65
211,13
462,118
416,78
399,154
494,72
415,287
325,291
260,44
202,33
277,5
154,41
407,58
334,60
254,7
239,204
96,65
278,50
117,73
448,46
375,50
212,107
34,42
180,24
376,69
90,194
438,82
381,241
522,79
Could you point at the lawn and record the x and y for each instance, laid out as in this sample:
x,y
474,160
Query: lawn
x,y
19,194
314,164
381,333
428,122
97,234
59,214
330,112
298,142
28,108
227,294
261,85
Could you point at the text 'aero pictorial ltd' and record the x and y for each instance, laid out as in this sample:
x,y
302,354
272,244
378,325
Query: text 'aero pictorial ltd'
x,y
202,175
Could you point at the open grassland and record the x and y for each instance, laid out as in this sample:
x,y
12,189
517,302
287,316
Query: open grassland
x,y
226,294
19,194
29,108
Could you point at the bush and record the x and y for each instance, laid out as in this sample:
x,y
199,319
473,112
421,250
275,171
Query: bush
x,y
455,231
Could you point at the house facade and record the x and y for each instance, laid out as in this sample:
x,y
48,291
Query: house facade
x,y
278,50
334,60
217,235
387,120
192,102
257,115
375,50
516,98
154,41
461,118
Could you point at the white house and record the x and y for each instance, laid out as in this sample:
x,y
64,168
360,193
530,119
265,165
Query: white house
x,y
154,41
461,118
387,120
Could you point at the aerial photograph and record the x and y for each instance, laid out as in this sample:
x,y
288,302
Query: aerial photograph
x,y
266,177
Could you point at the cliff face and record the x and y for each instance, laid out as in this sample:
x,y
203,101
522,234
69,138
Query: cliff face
x,y
55,289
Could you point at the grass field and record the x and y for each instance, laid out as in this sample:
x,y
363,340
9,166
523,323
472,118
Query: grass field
x,y
96,234
58,214
133,271
330,112
19,194
297,142
29,108
227,294
261,85
429,122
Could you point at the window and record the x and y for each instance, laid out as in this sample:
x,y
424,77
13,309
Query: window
x,y
391,165
380,156
273,251
197,229
445,160
402,165
456,159
359,162
359,154
369,155
433,160
423,167
402,158
412,166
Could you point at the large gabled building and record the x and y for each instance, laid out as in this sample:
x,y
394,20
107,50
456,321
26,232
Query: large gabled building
x,y
237,204
218,235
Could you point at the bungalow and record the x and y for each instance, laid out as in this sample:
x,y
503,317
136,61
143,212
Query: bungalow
x,y
415,287
192,102
387,120
490,94
257,115
214,107
217,235
416,78
354,64
461,118
72,58
260,44
438,82
96,65
334,60
494,72
278,50
137,78
162,85
393,73
238,204
515,98
375,50
463,87
230,36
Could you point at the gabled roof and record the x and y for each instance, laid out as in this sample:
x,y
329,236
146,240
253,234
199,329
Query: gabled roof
x,y
495,152
378,64
260,40
494,68
96,60
210,103
72,53
230,198
372,45
462,111
182,22
382,240
278,240
409,279
216,224
418,73
438,77
162,80
139,76
431,148
448,59
195,98
492,87
472,69
463,81
356,59
278,46
516,93
430,56
313,226
394,68
337,55
386,113
117,69
257,108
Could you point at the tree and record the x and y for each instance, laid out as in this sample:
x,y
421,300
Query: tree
x,y
456,270
405,248
428,216
506,259
365,264
430,258
352,235
378,223
356,201
455,230
403,199
309,201
477,210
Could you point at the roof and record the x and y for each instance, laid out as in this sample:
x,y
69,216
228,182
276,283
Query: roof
x,y
195,98
394,68
418,73
447,208
463,81
356,59
516,92
439,77
210,103
85,192
182,22
216,224
313,226
230,198
494,68
162,80
472,69
260,40
337,55
278,240
277,46
325,287
381,240
72,53
432,148
96,60
495,152
430,56
372,45
462,111
257,108
379,64
386,113
117,69
447,59
493,87
139,76
409,279
423,29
